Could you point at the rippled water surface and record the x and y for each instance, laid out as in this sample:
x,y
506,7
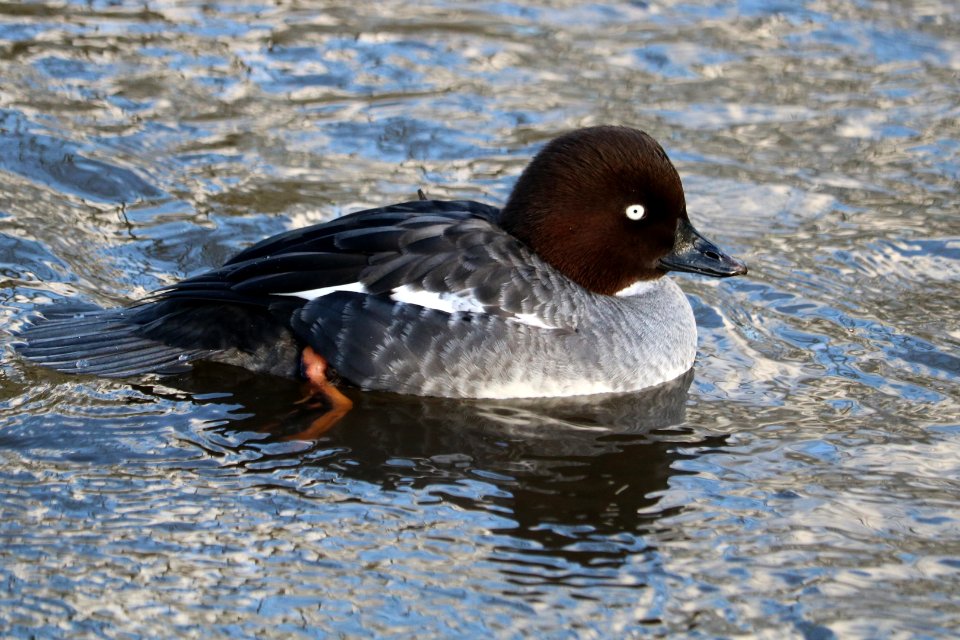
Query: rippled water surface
x,y
803,482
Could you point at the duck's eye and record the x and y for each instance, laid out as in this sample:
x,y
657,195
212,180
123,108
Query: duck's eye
x,y
636,212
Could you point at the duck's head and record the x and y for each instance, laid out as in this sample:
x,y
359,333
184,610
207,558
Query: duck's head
x,y
605,206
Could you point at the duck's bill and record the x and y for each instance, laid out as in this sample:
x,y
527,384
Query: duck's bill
x,y
695,254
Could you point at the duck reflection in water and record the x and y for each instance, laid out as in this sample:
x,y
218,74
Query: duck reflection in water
x,y
569,473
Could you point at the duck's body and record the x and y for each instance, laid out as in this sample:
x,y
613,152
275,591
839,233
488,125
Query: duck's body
x,y
558,294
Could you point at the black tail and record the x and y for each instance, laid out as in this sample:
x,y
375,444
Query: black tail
x,y
102,342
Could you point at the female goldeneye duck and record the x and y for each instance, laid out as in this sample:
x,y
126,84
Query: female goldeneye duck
x,y
559,293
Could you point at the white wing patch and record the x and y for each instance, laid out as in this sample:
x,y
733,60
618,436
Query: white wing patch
x,y
448,302
452,302
533,320
444,301
313,294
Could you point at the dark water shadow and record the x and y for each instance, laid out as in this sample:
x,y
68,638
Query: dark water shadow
x,y
576,479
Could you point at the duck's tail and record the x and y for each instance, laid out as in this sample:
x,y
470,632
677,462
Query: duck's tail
x,y
102,342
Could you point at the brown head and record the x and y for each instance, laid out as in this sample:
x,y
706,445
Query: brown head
x,y
605,206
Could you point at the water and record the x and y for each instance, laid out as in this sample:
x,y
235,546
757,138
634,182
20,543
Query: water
x,y
803,483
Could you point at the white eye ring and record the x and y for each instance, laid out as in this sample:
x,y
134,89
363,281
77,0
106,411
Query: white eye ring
x,y
636,212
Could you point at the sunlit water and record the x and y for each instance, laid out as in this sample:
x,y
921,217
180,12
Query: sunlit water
x,y
807,482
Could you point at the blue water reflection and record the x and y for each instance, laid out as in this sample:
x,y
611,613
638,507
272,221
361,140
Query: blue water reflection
x,y
803,484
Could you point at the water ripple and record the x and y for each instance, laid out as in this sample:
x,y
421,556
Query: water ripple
x,y
802,484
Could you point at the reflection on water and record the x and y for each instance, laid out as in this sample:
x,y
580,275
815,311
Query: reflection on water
x,y
804,484
568,473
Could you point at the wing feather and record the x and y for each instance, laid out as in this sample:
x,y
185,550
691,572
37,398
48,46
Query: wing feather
x,y
452,251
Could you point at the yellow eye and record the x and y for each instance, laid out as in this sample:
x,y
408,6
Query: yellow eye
x,y
636,212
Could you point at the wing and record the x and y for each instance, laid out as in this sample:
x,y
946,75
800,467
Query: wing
x,y
447,256
439,269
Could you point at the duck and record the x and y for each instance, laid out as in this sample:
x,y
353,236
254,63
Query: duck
x,y
561,292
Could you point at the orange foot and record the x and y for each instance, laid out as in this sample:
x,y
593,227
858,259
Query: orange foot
x,y
322,394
